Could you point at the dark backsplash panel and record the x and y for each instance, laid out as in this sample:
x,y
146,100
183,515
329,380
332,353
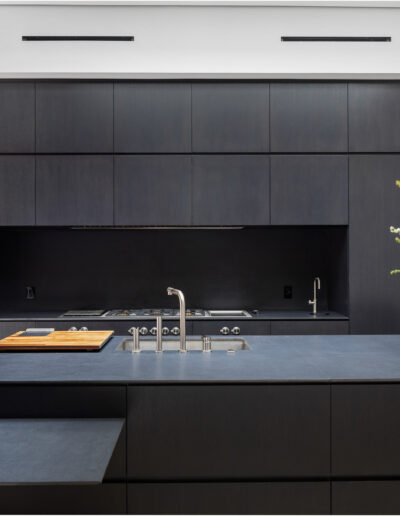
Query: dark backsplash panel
x,y
223,268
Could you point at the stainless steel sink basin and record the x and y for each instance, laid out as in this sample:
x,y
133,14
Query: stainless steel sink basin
x,y
229,345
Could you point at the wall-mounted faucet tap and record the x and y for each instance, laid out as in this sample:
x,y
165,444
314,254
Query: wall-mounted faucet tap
x,y
313,302
182,316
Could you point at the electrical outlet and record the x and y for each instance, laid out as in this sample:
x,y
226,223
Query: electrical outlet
x,y
30,293
287,292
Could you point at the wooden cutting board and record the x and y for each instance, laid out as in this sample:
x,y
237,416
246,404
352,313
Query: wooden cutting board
x,y
57,341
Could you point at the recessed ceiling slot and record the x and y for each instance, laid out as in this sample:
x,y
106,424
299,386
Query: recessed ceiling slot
x,y
78,38
348,39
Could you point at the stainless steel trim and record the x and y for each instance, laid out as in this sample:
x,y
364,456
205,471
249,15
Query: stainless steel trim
x,y
228,313
159,334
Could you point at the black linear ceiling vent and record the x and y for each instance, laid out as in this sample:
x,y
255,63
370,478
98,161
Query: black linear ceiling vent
x,y
78,38
351,39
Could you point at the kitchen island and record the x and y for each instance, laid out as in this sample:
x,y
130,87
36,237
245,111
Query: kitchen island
x,y
296,424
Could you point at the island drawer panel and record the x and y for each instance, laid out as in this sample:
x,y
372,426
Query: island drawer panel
x,y
93,499
366,497
229,498
245,327
309,327
228,432
56,401
365,430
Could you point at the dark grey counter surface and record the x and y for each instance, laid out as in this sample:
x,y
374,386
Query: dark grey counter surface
x,y
270,315
333,358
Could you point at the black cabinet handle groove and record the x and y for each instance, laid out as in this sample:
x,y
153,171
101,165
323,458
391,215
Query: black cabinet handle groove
x,y
351,39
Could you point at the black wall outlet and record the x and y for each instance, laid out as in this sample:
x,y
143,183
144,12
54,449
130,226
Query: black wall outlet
x,y
288,292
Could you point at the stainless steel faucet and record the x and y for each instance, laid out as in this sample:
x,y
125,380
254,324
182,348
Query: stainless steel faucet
x,y
159,334
182,316
313,302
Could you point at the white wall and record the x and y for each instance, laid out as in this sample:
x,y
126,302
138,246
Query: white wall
x,y
198,41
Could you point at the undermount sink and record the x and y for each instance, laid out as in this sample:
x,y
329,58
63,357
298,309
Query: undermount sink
x,y
229,345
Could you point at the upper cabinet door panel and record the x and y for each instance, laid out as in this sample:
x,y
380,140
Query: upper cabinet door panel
x,y
152,117
230,117
230,190
74,117
374,117
309,117
17,190
152,190
309,190
74,190
17,117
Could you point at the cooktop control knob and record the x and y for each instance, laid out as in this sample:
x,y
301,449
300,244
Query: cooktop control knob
x,y
224,330
236,330
165,330
73,328
143,330
175,330
83,328
153,331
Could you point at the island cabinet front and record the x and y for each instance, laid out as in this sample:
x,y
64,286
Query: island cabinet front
x,y
366,449
266,443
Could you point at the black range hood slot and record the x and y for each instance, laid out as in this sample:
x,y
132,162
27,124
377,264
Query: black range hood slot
x,y
351,39
78,38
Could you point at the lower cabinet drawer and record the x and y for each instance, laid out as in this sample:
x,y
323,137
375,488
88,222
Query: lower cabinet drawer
x,y
95,499
229,498
309,327
366,497
241,327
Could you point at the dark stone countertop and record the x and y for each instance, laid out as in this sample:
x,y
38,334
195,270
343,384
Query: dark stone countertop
x,y
321,359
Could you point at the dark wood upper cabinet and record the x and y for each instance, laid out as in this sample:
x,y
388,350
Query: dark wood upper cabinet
x,y
283,431
374,207
308,117
230,117
74,117
17,190
309,190
374,117
152,117
74,190
230,190
365,430
152,190
17,117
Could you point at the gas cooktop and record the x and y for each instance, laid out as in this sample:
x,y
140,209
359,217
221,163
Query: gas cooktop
x,y
153,312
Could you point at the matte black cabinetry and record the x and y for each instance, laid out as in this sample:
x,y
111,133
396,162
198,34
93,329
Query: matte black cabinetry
x,y
17,117
17,190
9,327
230,117
57,499
230,190
366,497
308,117
373,252
229,498
152,190
309,190
365,430
74,190
152,117
283,431
309,327
74,117
374,117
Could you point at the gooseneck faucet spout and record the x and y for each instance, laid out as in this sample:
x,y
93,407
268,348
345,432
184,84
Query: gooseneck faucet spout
x,y
313,302
182,316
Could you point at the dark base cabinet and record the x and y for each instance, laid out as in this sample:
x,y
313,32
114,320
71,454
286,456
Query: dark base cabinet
x,y
309,327
95,499
229,498
366,497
